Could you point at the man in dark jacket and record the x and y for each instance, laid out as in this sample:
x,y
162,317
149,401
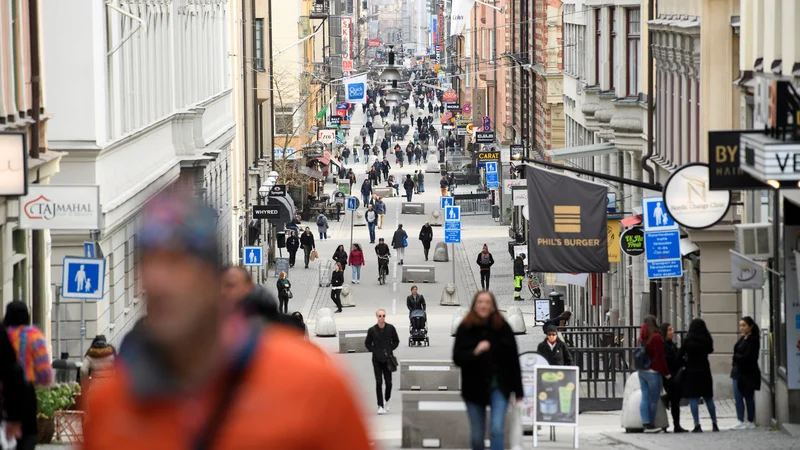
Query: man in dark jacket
x,y
519,275
366,191
399,242
381,341
307,242
553,349
485,262
408,185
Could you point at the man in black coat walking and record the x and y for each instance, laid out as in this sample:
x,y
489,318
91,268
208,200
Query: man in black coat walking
x,y
553,349
381,341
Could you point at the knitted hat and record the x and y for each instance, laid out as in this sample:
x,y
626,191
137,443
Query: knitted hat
x,y
550,328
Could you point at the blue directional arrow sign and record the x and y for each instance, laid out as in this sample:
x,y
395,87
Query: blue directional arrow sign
x,y
253,256
452,214
352,203
83,278
452,236
452,226
445,202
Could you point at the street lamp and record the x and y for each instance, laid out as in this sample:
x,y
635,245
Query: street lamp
x,y
391,71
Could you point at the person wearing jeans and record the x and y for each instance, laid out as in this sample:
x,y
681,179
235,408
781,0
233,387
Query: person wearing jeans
x,y
695,348
381,341
372,221
745,372
486,351
307,242
399,243
650,380
356,261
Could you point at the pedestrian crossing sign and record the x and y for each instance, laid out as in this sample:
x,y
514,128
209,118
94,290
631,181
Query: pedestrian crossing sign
x,y
83,278
253,256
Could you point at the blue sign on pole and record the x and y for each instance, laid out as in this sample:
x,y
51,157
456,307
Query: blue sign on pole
x,y
662,245
452,236
83,278
445,202
491,167
88,249
655,216
352,203
668,268
253,256
452,226
492,181
452,214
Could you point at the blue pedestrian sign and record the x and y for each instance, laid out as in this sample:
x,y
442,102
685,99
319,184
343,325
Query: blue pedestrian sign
x,y
444,202
655,216
491,167
452,236
452,214
662,245
668,268
452,226
83,278
253,256
492,182
352,203
88,249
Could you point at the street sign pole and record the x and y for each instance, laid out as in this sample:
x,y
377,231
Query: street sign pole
x,y
352,222
83,326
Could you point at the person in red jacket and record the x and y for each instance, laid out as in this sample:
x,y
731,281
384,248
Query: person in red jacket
x,y
356,261
650,378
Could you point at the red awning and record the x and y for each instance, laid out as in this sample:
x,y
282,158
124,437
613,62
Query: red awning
x,y
631,221
325,160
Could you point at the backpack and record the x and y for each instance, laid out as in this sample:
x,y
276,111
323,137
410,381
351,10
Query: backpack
x,y
641,360
320,220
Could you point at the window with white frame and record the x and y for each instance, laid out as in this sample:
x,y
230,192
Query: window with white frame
x,y
633,49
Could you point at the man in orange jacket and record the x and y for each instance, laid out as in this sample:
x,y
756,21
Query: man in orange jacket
x,y
189,380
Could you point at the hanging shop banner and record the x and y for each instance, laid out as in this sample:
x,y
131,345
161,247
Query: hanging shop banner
x,y
723,162
459,15
573,279
51,207
356,89
566,218
449,96
347,37
690,202
746,273
632,241
485,137
612,234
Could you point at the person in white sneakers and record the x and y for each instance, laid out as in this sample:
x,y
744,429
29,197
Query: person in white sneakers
x,y
381,341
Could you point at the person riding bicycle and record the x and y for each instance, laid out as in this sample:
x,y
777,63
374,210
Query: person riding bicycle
x,y
519,275
383,251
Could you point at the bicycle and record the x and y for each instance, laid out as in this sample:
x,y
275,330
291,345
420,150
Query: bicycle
x,y
534,286
383,269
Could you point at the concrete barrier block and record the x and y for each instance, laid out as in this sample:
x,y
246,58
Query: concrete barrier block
x,y
383,191
440,253
413,208
325,325
348,297
432,164
418,274
632,397
358,219
439,420
418,375
437,219
515,320
449,297
458,316
352,341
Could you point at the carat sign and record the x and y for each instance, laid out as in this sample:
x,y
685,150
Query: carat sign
x,y
50,207
689,201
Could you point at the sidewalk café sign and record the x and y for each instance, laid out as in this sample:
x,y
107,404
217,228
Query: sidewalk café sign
x,y
66,207
632,241
746,273
13,164
488,156
689,201
527,362
556,391
724,169
485,137
567,223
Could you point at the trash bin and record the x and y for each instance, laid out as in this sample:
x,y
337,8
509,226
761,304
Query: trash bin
x,y
66,371
556,304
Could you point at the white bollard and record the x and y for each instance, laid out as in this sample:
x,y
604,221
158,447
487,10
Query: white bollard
x,y
348,297
458,316
515,320
449,297
325,326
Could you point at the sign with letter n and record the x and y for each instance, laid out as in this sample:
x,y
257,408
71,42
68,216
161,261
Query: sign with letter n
x,y
567,224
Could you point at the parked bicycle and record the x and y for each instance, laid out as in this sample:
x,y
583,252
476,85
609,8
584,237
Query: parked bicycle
x,y
534,286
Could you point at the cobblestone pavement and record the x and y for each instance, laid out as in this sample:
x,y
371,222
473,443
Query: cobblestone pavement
x,y
726,439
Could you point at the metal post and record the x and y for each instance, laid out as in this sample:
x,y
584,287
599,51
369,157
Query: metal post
x,y
58,319
352,222
453,258
83,326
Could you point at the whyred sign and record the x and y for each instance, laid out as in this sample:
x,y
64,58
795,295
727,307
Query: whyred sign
x,y
374,43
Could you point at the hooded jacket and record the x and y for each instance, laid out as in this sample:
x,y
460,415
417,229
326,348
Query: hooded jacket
x,y
519,267
99,362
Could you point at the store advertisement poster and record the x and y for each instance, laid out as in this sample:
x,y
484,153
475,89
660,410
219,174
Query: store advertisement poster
x,y
556,395
791,292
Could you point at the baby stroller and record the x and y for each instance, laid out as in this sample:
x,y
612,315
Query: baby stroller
x,y
419,328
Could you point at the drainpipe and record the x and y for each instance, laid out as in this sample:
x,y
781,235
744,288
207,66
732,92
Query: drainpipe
x,y
650,94
245,93
38,252
271,93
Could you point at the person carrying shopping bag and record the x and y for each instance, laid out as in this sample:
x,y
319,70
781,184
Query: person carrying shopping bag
x,y
284,293
307,242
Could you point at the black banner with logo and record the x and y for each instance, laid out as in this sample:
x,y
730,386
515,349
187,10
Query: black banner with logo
x,y
723,163
567,224
632,241
484,137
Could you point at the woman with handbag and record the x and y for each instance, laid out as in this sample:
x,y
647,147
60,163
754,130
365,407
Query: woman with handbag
x,y
673,384
400,242
381,341
284,293
340,256
486,351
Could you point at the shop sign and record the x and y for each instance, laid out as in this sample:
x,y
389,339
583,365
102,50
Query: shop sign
x,y
51,207
517,150
612,231
488,156
690,202
374,43
632,241
449,96
452,106
13,164
746,273
485,137
335,120
725,172
326,136
508,185
461,130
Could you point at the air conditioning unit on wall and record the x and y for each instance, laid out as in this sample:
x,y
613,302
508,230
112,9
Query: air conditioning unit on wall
x,y
754,240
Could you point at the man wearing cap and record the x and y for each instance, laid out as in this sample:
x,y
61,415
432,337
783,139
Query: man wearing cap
x,y
190,380
519,275
553,349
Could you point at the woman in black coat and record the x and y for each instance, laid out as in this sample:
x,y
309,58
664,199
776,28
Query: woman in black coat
x,y
745,372
340,256
426,236
673,384
696,347
337,280
486,351
553,349
292,245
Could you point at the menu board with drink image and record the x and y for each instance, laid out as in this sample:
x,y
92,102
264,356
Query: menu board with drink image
x,y
556,395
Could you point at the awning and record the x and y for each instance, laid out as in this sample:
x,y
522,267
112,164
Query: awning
x,y
631,221
325,160
582,151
